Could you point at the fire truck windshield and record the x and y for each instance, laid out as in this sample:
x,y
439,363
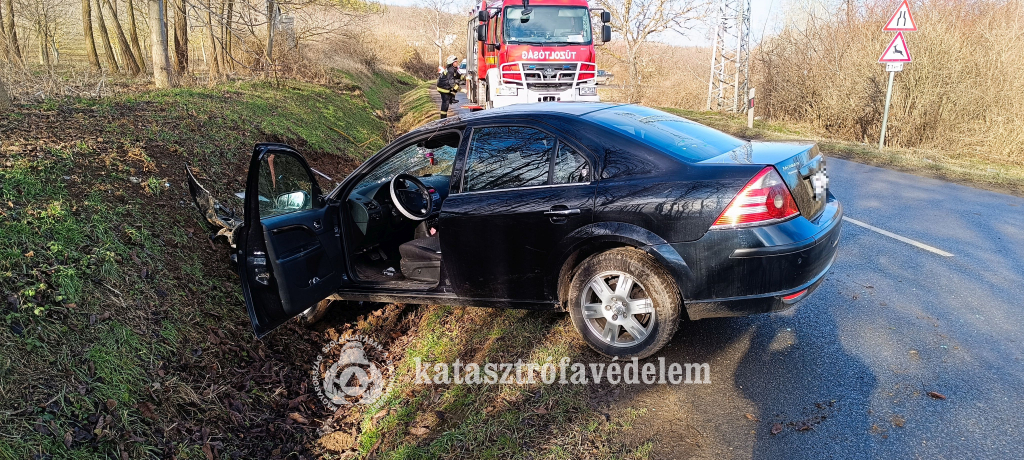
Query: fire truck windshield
x,y
548,25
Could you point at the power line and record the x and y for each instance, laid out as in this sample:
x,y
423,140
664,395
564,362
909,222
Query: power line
x,y
730,58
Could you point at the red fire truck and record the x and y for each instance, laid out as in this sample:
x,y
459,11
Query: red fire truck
x,y
520,51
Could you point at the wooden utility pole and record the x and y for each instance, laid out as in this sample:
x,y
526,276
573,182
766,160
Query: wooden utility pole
x,y
163,76
90,41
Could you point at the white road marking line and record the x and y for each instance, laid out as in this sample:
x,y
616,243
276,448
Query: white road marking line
x,y
901,238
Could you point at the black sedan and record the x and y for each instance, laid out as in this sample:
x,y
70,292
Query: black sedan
x,y
629,218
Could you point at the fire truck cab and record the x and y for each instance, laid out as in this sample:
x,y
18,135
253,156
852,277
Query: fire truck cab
x,y
520,51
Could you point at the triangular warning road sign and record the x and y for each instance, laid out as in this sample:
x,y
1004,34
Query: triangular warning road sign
x,y
901,20
897,50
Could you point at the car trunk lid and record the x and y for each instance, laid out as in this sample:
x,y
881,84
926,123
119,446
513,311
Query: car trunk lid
x,y
802,166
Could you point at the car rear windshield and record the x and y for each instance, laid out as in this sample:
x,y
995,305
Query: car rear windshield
x,y
682,138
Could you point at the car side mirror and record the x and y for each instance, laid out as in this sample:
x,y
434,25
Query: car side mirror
x,y
606,17
606,33
293,201
481,32
286,185
482,16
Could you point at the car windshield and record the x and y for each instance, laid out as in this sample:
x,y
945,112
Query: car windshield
x,y
675,135
548,25
433,157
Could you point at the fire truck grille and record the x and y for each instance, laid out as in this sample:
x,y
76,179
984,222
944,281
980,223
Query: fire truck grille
x,y
549,72
559,87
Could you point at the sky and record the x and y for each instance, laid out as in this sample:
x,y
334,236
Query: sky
x,y
764,14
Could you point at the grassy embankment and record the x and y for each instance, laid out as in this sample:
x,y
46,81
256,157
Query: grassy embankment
x,y
124,332
123,329
952,164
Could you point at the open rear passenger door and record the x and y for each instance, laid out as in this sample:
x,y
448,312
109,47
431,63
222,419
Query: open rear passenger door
x,y
290,254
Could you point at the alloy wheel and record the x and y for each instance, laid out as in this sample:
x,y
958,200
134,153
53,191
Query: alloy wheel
x,y
617,309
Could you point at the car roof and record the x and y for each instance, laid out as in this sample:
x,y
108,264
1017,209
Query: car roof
x,y
538,110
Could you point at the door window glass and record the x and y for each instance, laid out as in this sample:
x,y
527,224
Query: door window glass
x,y
285,186
508,157
570,166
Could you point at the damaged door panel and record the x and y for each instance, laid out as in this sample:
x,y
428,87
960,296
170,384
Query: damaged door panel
x,y
222,218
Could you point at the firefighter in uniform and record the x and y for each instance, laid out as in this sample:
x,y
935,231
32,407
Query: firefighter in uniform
x,y
448,84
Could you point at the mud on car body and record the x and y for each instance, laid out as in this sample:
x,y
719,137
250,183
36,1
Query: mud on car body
x,y
629,218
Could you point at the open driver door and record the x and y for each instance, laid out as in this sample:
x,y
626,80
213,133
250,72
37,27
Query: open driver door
x,y
290,254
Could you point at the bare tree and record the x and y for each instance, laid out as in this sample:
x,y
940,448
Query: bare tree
x,y
163,75
212,39
441,23
180,35
226,36
5,98
46,17
12,31
637,20
105,40
4,53
130,64
133,36
271,23
90,41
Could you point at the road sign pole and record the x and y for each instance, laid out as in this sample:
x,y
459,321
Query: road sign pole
x,y
885,116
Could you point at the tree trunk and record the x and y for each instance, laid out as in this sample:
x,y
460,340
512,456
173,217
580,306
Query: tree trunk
x,y
90,41
5,98
163,76
229,58
212,61
221,44
180,35
3,36
12,32
105,40
130,64
133,36
44,54
271,17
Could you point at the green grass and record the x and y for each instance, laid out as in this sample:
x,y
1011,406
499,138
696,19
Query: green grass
x,y
109,289
417,107
478,421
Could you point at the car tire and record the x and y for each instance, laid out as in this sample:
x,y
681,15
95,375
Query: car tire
x,y
315,313
636,322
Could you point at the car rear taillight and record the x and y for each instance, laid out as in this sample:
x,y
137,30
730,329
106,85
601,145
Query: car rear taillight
x,y
764,200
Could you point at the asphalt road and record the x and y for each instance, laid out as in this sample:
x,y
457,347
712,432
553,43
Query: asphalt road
x,y
847,372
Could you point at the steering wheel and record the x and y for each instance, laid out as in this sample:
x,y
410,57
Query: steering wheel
x,y
411,197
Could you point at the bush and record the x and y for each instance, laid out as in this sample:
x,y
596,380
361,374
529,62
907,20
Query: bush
x,y
416,65
958,94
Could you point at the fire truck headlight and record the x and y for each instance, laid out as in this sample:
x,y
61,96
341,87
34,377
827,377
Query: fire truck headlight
x,y
504,90
588,91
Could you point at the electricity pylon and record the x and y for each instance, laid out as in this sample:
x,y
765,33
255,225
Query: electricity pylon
x,y
730,58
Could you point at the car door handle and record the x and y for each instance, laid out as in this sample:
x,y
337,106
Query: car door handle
x,y
562,212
